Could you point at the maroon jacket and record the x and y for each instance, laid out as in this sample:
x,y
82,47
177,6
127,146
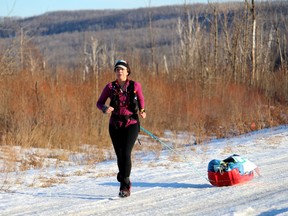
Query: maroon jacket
x,y
123,99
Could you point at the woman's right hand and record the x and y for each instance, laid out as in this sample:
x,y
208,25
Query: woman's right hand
x,y
109,110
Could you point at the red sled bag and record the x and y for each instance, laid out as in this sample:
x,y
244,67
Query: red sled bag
x,y
231,171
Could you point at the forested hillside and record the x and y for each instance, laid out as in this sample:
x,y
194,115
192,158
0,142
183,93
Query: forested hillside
x,y
61,36
66,33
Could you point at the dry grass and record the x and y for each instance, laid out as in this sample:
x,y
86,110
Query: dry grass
x,y
228,110
60,113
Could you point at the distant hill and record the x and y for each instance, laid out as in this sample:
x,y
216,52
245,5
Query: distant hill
x,y
61,36
88,20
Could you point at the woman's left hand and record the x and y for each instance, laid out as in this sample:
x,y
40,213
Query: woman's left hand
x,y
143,115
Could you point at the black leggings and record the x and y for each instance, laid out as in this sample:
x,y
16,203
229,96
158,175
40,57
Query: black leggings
x,y
123,140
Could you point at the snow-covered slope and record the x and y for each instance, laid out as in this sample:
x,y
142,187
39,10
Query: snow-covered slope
x,y
162,186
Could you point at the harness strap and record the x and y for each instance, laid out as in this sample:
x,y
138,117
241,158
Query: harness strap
x,y
125,118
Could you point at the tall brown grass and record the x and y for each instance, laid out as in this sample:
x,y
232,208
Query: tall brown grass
x,y
225,109
60,112
49,112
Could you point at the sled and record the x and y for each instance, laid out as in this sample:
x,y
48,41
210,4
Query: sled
x,y
232,177
231,171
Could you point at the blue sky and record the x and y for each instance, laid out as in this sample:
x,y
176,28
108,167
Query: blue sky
x,y
26,8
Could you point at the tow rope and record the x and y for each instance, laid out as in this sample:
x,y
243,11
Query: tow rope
x,y
174,151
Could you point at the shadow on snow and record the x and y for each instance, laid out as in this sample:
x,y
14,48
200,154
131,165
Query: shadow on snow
x,y
161,185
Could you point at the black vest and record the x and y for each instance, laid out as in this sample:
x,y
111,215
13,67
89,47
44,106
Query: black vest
x,y
132,105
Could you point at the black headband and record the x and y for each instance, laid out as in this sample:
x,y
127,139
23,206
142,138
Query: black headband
x,y
121,63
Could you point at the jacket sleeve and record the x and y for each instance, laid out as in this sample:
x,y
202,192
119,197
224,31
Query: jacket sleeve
x,y
140,96
103,97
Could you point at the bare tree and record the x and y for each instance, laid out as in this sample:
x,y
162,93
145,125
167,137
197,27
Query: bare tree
x,y
151,40
215,14
186,35
253,42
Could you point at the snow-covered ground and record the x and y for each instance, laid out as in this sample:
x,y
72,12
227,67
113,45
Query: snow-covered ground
x,y
164,185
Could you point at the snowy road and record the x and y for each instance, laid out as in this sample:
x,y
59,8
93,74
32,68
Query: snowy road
x,y
165,187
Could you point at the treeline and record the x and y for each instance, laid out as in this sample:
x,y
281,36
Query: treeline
x,y
62,36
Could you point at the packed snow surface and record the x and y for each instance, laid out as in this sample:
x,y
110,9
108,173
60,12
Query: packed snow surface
x,y
174,183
